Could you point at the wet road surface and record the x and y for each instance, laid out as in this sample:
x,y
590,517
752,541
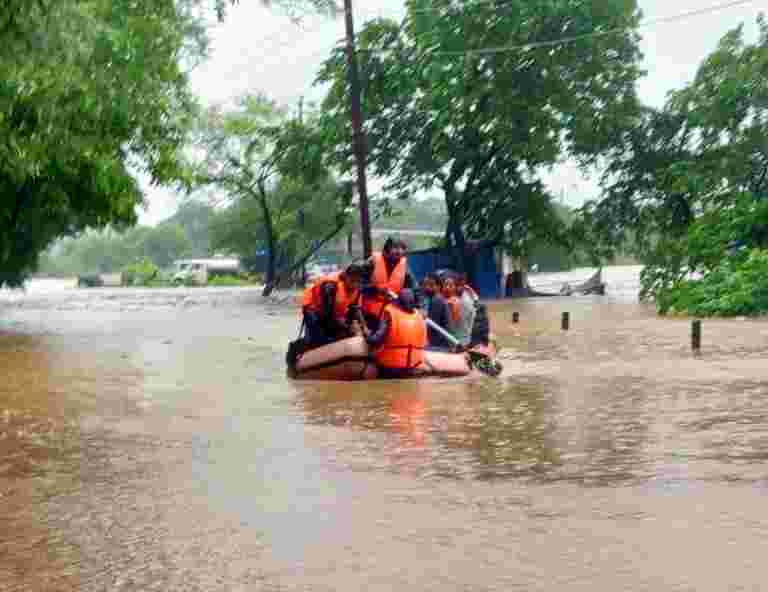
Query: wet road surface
x,y
150,441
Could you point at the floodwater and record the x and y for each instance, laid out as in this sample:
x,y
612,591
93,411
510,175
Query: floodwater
x,y
149,440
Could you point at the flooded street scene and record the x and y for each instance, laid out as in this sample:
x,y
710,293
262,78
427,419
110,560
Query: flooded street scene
x,y
383,295
151,441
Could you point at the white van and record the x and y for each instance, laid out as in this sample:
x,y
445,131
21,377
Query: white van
x,y
200,271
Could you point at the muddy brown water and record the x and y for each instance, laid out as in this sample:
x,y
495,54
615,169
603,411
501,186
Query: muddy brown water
x,y
149,440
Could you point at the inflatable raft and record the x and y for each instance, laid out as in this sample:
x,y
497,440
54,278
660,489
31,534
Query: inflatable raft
x,y
350,359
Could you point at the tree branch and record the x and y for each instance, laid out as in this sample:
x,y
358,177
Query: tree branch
x,y
269,287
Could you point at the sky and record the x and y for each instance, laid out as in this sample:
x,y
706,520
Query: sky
x,y
258,50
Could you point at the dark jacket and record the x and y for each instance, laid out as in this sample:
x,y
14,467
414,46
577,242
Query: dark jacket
x,y
440,315
482,327
377,337
323,327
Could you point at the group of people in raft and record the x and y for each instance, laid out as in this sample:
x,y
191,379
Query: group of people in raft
x,y
379,300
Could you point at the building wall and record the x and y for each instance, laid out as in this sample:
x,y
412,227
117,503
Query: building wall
x,y
486,273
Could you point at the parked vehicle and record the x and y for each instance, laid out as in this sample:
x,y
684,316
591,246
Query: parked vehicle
x,y
317,271
200,271
89,280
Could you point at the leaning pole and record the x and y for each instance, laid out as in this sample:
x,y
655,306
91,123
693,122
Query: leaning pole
x,y
358,134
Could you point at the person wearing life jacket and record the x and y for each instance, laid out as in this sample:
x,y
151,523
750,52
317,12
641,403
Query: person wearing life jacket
x,y
399,342
330,306
387,273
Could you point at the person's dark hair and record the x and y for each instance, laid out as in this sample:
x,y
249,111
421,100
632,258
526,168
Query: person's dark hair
x,y
355,269
406,300
445,274
393,242
435,278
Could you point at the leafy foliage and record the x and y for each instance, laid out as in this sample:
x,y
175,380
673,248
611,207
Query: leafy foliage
x,y
481,127
195,218
140,273
294,7
224,281
690,183
255,154
737,286
110,251
89,90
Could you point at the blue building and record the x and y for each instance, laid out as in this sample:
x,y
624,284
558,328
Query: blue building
x,y
484,267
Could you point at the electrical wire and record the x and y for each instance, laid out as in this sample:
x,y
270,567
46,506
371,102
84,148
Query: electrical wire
x,y
618,30
574,38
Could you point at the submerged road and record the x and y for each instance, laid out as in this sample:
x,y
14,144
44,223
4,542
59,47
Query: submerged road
x,y
149,440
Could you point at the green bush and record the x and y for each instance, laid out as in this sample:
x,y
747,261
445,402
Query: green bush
x,y
228,280
141,273
738,286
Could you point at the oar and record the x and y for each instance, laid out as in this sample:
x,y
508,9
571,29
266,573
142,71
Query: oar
x,y
479,360
449,338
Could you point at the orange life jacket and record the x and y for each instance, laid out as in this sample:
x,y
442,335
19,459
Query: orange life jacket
x,y
405,342
374,305
313,297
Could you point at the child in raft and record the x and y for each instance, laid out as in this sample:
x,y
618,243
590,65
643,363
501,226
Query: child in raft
x,y
469,321
435,308
457,315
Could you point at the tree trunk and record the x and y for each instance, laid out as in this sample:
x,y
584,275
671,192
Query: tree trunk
x,y
270,286
271,238
457,242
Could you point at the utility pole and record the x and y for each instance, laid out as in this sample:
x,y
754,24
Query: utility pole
x,y
358,138
301,211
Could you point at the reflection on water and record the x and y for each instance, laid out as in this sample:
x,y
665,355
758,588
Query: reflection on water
x,y
517,428
149,440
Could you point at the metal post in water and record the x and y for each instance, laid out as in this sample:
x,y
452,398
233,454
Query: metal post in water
x,y
566,322
515,317
696,335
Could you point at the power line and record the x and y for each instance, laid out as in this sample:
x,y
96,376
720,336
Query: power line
x,y
617,30
575,38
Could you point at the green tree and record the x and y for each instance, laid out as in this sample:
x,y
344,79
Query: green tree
x,y
110,251
255,152
195,218
164,243
445,113
690,181
90,91
238,230
294,7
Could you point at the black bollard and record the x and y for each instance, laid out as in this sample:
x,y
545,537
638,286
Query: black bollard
x,y
515,317
696,335
566,322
